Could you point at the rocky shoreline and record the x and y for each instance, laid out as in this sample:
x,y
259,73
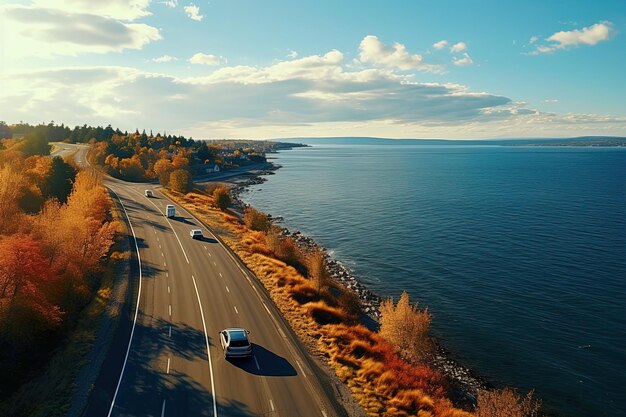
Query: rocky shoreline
x,y
464,383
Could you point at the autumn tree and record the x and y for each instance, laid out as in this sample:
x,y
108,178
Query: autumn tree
x,y
256,219
406,327
58,183
24,275
11,184
318,273
180,181
163,168
222,198
36,143
506,403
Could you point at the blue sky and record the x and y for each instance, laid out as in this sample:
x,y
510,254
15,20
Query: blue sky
x,y
235,68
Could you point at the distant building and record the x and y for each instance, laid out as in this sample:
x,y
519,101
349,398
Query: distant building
x,y
214,168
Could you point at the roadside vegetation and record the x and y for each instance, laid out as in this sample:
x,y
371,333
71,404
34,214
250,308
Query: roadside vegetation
x,y
387,370
55,230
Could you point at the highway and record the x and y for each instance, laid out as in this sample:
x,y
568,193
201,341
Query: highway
x,y
189,290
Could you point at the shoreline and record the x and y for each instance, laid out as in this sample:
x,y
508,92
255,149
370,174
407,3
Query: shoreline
x,y
464,382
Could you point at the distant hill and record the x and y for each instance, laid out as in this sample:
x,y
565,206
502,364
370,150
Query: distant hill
x,y
577,141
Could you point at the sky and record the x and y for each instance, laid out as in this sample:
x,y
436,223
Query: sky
x,y
277,69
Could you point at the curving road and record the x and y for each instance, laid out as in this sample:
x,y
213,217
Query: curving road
x,y
188,290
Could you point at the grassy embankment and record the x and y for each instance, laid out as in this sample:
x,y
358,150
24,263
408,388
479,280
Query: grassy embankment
x,y
51,393
326,319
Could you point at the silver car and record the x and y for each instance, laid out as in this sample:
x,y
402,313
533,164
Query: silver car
x,y
235,343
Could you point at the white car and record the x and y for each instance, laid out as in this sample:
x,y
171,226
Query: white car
x,y
235,343
196,234
148,193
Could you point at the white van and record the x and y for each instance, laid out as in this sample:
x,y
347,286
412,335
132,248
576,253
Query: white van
x,y
170,210
148,193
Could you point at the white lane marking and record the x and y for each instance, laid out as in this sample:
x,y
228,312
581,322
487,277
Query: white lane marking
x,y
257,363
210,254
171,227
165,264
301,368
272,405
208,353
167,274
214,264
221,275
132,331
235,309
170,309
227,288
163,409
168,365
162,254
168,290
324,413
267,309
160,246
170,333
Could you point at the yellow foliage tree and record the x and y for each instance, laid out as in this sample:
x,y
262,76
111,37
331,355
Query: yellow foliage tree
x,y
406,327
506,403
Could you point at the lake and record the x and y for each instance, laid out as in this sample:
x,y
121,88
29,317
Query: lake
x,y
518,252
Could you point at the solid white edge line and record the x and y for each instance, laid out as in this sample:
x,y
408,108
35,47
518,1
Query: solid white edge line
x,y
324,413
132,331
208,354
301,368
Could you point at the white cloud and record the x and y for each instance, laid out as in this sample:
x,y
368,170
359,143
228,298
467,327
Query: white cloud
x,y
207,59
553,100
458,47
170,3
372,50
465,61
292,54
118,9
440,45
590,35
533,39
193,12
165,58
38,32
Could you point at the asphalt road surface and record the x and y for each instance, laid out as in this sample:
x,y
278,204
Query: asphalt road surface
x,y
188,290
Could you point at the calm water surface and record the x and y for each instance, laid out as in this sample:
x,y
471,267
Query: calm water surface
x,y
519,253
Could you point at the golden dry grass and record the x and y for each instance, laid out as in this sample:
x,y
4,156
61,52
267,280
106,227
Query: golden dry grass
x,y
380,380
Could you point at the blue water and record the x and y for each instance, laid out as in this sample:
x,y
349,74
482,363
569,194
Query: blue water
x,y
519,252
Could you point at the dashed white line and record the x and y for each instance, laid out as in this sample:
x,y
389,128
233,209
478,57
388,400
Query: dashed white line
x,y
167,274
160,247
163,409
165,264
170,333
170,308
168,290
272,405
162,254
257,363
168,365
236,310
221,275
324,413
227,288
210,254
214,264
267,309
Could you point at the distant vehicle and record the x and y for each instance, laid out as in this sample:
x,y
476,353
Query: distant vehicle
x,y
170,210
196,234
235,343
148,193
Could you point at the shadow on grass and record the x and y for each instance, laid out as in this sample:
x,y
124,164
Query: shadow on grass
x,y
270,364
